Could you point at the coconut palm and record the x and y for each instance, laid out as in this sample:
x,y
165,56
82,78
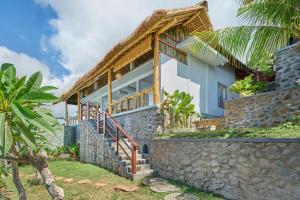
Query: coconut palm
x,y
267,25
24,120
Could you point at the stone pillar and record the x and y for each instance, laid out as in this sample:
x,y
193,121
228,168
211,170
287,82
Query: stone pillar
x,y
287,67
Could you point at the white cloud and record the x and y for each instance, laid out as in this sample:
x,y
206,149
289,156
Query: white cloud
x,y
27,65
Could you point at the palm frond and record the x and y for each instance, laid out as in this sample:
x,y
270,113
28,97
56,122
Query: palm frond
x,y
268,13
243,41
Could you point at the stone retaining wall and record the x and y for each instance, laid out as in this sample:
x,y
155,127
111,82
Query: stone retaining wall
x,y
236,169
287,66
263,110
94,150
141,124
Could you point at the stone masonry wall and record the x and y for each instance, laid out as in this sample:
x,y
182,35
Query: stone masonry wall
x,y
236,169
94,150
141,124
287,66
263,110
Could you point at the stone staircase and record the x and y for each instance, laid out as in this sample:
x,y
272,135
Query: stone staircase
x,y
143,169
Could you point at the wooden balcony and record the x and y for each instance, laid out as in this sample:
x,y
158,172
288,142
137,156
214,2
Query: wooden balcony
x,y
132,102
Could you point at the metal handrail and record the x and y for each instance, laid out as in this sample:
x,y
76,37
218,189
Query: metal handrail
x,y
119,130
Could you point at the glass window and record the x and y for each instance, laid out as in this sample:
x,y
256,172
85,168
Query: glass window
x,y
146,83
222,94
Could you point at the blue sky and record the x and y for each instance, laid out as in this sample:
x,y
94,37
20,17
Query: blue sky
x,y
23,28
66,38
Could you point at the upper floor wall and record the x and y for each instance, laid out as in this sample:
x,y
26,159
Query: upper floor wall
x,y
206,83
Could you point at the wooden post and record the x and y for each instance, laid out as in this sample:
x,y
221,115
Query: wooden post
x,y
87,111
79,107
156,71
66,113
109,90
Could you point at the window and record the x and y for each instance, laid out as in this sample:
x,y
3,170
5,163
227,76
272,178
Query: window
x,y
222,94
144,84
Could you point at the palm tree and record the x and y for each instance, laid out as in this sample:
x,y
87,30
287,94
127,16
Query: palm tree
x,y
23,122
267,25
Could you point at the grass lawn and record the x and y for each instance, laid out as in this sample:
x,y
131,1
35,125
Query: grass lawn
x,y
282,131
79,171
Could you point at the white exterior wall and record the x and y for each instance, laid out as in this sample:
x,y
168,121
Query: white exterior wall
x,y
198,79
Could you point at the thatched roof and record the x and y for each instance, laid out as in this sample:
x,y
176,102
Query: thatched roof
x,y
150,25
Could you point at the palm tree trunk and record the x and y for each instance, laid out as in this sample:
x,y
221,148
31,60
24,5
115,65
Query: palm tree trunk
x,y
41,165
16,180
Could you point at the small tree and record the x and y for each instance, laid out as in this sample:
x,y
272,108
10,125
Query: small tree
x,y
247,86
22,120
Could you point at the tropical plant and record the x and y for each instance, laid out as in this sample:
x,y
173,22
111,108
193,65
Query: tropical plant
x,y
3,172
23,117
267,25
247,86
178,107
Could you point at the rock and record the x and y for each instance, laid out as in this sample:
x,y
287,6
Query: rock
x,y
85,181
68,180
59,178
181,196
164,187
126,188
160,185
99,185
153,181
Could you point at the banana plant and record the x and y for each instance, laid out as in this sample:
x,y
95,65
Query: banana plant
x,y
24,120
179,108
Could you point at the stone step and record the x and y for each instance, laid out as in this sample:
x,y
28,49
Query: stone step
x,y
138,161
124,157
121,145
139,168
113,141
121,151
141,175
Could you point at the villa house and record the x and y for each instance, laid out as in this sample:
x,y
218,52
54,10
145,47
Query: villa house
x,y
158,57
121,95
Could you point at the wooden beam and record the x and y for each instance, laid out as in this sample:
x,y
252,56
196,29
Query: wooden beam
x,y
167,26
190,20
78,107
156,71
109,89
66,113
140,49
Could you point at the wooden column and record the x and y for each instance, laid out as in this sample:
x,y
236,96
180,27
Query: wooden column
x,y
109,89
156,71
79,107
66,113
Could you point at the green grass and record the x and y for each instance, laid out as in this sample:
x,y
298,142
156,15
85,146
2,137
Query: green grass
x,y
75,191
283,131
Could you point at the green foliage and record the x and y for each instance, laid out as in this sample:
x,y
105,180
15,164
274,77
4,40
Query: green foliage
x,y
247,86
22,117
267,26
3,173
290,129
72,150
179,108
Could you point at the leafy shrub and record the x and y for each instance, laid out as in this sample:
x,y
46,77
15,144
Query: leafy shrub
x,y
179,109
247,86
72,150
3,172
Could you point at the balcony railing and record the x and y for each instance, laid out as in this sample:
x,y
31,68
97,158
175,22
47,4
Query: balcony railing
x,y
132,102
